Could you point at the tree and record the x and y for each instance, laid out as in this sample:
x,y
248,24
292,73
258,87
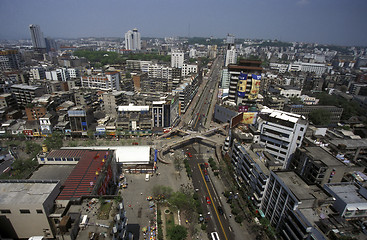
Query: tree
x,y
178,164
182,201
162,192
319,117
54,141
177,232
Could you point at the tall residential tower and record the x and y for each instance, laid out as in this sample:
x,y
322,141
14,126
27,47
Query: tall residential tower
x,y
38,41
132,40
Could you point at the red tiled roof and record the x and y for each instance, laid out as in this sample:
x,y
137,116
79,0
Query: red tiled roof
x,y
78,182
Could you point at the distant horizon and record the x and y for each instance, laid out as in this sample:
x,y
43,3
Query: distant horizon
x,y
75,38
331,22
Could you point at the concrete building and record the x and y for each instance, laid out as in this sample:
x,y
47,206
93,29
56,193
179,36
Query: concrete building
x,y
244,82
80,119
317,68
281,133
188,69
138,65
24,94
134,119
351,199
231,56
165,113
104,81
250,170
38,73
317,166
186,92
111,100
290,206
132,40
225,79
7,101
177,59
335,113
10,60
274,102
25,206
38,41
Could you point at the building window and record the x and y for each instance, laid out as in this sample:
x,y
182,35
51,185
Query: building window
x,y
39,211
24,211
5,211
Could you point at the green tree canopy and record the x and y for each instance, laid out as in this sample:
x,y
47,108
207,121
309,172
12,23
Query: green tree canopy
x,y
54,141
182,201
319,117
177,232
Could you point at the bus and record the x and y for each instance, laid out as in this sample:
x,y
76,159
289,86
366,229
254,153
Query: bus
x,y
214,236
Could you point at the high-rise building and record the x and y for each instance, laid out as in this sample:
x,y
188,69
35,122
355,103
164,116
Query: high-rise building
x,y
281,133
177,59
231,56
244,83
38,41
132,40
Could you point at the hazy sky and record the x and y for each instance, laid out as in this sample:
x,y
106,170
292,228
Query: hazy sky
x,y
341,22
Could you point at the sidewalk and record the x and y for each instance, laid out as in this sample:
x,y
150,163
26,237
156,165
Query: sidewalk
x,y
240,232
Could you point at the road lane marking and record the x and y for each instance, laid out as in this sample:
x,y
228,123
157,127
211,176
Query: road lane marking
x,y
211,199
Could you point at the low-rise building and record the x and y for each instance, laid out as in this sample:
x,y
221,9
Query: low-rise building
x,y
335,113
25,206
350,199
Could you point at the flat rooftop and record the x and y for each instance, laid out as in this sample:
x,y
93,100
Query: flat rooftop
x,y
348,192
53,172
298,187
25,191
320,154
350,143
124,154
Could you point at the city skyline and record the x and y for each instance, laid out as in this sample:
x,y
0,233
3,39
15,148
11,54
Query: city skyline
x,y
326,22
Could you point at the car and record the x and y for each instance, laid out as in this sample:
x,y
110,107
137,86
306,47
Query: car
x,y
220,210
208,200
205,172
206,165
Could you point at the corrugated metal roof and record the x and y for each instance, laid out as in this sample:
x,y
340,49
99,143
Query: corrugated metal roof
x,y
79,182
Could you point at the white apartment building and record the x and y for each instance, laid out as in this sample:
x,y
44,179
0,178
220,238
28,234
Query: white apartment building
x,y
289,93
281,133
103,81
132,40
73,73
281,67
159,71
177,59
317,68
37,73
187,69
231,56
60,74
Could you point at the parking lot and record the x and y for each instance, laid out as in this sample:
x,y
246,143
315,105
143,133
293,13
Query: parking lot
x,y
137,207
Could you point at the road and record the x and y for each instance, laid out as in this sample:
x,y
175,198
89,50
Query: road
x,y
201,111
216,221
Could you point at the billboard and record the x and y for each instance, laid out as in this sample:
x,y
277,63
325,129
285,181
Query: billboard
x,y
249,117
243,108
241,85
255,88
